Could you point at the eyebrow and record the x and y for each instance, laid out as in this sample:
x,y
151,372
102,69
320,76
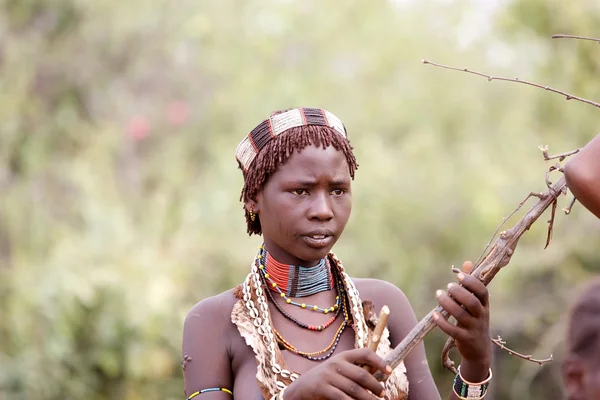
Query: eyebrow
x,y
308,182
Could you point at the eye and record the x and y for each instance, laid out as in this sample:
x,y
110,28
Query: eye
x,y
338,192
300,192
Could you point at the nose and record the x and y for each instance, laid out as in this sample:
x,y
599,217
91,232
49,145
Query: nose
x,y
320,208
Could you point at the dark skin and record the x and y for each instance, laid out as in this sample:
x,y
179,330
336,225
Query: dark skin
x,y
582,173
581,376
310,195
581,364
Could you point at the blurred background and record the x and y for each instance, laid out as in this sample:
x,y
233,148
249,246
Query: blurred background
x,y
119,191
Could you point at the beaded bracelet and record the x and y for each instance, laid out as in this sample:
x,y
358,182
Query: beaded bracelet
x,y
216,389
472,391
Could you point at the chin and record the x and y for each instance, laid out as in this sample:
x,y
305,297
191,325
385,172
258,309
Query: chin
x,y
313,254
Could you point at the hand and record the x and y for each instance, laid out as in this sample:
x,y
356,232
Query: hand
x,y
472,331
340,377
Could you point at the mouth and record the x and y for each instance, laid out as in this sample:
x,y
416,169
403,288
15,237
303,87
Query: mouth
x,y
319,239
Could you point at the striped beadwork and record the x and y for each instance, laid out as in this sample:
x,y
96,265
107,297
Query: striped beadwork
x,y
258,138
469,391
297,281
340,294
319,280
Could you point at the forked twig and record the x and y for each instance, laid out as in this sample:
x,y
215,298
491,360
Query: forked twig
x,y
502,344
448,364
498,257
517,80
561,156
503,248
487,246
560,36
544,150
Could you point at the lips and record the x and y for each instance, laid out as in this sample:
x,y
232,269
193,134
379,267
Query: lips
x,y
319,238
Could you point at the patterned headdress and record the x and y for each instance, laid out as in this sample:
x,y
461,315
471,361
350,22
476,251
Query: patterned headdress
x,y
275,125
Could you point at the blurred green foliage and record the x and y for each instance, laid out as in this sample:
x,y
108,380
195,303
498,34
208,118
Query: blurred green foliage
x,y
119,190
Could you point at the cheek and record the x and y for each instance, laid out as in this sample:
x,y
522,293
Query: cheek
x,y
592,383
276,217
596,384
345,206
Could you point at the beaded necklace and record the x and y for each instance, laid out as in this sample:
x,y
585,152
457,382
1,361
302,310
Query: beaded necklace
x,y
270,373
298,281
300,323
328,351
324,273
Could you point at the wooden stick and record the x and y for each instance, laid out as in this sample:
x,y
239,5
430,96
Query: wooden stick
x,y
378,331
498,257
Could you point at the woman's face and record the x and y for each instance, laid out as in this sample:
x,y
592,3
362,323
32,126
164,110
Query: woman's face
x,y
305,205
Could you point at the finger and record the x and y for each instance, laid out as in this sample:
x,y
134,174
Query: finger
x,y
451,330
368,357
467,267
359,380
474,286
453,307
333,392
466,299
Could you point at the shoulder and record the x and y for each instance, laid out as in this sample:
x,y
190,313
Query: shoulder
x,y
402,317
378,290
208,316
215,308
208,330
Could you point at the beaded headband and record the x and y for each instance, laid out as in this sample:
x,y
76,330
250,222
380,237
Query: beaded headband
x,y
258,138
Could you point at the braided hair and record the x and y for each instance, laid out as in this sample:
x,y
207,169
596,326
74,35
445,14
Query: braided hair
x,y
279,150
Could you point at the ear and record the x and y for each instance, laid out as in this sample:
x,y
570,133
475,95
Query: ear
x,y
573,372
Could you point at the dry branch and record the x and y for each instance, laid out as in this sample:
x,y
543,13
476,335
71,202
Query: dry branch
x,y
516,80
503,248
560,157
501,343
560,36
497,258
448,364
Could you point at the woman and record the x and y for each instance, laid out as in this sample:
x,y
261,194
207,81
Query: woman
x,y
298,326
583,176
581,366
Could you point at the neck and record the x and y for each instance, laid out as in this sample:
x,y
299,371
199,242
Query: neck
x,y
286,257
296,280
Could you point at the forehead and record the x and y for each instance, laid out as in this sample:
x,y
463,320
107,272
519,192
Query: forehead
x,y
314,162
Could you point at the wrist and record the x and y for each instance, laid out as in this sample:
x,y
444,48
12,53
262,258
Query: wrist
x,y
475,371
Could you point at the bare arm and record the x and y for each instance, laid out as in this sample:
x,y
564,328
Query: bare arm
x,y
582,173
401,320
205,358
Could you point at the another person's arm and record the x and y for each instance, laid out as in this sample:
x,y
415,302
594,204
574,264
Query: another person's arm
x,y
582,173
